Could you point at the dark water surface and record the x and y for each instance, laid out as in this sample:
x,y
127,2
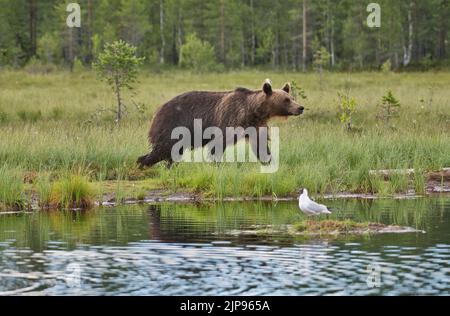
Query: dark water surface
x,y
197,250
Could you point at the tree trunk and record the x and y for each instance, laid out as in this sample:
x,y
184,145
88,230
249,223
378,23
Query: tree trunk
x,y
293,56
407,51
119,102
161,29
222,31
243,50
33,27
180,33
442,39
276,51
70,48
253,52
174,44
285,62
90,54
442,52
305,35
332,51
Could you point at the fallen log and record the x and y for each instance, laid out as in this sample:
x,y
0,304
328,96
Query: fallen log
x,y
443,174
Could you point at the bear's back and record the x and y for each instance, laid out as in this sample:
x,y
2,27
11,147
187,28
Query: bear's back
x,y
182,110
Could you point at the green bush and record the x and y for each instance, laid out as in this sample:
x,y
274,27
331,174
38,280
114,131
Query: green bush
x,y
386,67
29,116
57,113
198,55
118,66
389,108
77,66
347,110
36,66
48,48
3,116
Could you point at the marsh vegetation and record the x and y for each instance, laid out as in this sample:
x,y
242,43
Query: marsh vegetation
x,y
61,125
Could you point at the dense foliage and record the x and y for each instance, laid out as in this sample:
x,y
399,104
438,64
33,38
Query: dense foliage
x,y
239,33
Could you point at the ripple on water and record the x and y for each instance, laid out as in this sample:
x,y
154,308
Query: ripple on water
x,y
173,269
198,260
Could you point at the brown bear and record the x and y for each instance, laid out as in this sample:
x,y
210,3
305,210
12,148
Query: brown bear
x,y
239,108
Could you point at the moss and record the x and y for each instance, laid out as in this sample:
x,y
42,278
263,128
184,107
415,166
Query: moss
x,y
329,226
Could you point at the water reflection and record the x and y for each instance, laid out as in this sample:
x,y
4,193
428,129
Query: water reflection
x,y
182,248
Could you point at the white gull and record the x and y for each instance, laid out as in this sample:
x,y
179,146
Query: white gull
x,y
309,207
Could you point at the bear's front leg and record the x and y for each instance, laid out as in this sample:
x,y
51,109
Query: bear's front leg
x,y
260,146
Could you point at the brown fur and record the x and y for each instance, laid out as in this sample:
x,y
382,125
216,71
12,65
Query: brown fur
x,y
238,108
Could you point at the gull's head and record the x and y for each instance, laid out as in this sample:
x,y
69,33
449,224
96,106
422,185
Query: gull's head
x,y
303,191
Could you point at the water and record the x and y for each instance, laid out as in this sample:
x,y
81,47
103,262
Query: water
x,y
179,249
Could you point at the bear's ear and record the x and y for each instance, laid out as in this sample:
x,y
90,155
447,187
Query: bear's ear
x,y
287,88
267,87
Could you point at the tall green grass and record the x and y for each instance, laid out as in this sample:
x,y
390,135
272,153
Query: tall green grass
x,y
72,191
12,189
43,187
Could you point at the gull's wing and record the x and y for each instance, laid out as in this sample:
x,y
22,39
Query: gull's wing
x,y
316,208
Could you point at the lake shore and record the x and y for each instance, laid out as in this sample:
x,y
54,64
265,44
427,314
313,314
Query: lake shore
x,y
137,192
437,183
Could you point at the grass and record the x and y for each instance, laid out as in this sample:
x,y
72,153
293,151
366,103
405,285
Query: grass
x,y
329,226
71,191
12,188
43,187
339,227
52,124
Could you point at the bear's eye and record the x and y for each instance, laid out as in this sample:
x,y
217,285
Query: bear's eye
x,y
287,100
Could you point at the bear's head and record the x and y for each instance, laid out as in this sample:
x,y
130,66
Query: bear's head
x,y
279,102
